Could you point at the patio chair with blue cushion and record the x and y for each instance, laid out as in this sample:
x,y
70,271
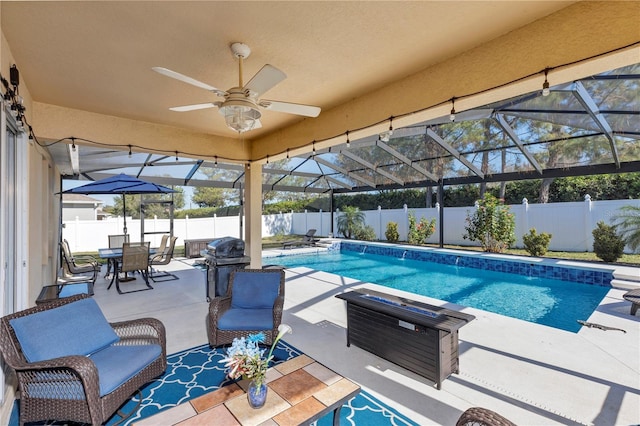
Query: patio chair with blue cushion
x,y
74,366
253,304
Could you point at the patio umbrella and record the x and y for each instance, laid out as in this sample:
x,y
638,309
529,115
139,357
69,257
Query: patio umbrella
x,y
120,184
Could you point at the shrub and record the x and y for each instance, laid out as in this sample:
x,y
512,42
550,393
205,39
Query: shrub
x,y
391,233
607,245
366,233
492,224
536,244
350,220
627,222
418,233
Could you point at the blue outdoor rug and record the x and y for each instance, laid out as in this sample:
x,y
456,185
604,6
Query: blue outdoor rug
x,y
196,371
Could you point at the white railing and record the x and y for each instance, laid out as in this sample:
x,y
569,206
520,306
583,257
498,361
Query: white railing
x,y
569,223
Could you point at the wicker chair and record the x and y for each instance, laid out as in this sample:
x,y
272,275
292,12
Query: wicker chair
x,y
163,257
476,416
135,258
74,266
66,387
253,304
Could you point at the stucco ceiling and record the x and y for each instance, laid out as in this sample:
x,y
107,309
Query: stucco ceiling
x,y
97,56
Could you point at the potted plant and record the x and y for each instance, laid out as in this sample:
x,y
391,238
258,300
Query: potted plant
x,y
245,359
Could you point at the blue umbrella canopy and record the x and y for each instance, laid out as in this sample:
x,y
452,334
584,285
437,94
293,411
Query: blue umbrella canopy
x,y
120,184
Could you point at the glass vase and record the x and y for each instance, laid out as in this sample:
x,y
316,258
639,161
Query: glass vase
x,y
257,394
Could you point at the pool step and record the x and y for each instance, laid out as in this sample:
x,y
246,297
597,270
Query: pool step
x,y
626,278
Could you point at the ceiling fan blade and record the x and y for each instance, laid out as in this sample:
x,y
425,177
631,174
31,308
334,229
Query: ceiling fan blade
x,y
290,108
194,107
265,79
188,80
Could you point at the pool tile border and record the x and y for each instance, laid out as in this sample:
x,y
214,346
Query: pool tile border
x,y
593,276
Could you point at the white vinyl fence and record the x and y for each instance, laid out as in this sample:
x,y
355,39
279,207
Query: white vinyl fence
x,y
569,223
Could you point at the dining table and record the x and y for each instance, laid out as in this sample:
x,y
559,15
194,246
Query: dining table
x,y
113,255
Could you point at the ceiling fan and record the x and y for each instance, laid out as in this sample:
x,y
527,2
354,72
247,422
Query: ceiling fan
x,y
242,104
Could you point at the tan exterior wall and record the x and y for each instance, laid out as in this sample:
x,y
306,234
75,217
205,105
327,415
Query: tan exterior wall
x,y
53,122
41,209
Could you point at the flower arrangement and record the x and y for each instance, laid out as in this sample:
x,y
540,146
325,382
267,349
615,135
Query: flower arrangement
x,y
245,358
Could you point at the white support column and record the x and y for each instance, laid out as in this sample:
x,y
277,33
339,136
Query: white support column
x,y
406,221
253,213
588,226
525,219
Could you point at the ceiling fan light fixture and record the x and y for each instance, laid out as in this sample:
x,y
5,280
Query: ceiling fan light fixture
x,y
240,115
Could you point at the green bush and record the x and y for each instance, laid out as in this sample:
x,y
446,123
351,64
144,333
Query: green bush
x,y
366,233
350,221
391,233
418,233
536,244
492,224
607,245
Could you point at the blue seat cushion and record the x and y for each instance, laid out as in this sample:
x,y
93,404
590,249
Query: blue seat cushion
x,y
255,290
117,364
246,319
77,328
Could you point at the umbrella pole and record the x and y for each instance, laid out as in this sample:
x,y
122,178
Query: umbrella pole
x,y
124,212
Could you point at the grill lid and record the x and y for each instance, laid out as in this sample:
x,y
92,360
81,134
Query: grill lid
x,y
226,247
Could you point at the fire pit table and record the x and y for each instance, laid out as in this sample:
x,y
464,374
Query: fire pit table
x,y
419,337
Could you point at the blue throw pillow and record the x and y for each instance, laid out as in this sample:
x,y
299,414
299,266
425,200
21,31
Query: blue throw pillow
x,y
77,328
255,290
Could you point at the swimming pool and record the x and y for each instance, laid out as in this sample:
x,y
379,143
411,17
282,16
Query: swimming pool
x,y
550,302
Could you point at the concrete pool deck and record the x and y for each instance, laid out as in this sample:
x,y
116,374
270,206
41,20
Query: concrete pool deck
x,y
531,374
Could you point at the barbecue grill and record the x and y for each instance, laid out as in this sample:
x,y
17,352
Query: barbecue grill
x,y
222,256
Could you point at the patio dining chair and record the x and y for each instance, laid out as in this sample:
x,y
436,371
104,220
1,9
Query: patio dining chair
x,y
115,241
135,258
163,257
80,268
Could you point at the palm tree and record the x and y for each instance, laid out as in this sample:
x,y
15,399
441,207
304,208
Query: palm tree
x,y
628,222
350,221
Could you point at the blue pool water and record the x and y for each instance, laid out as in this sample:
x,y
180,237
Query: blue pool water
x,y
544,301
